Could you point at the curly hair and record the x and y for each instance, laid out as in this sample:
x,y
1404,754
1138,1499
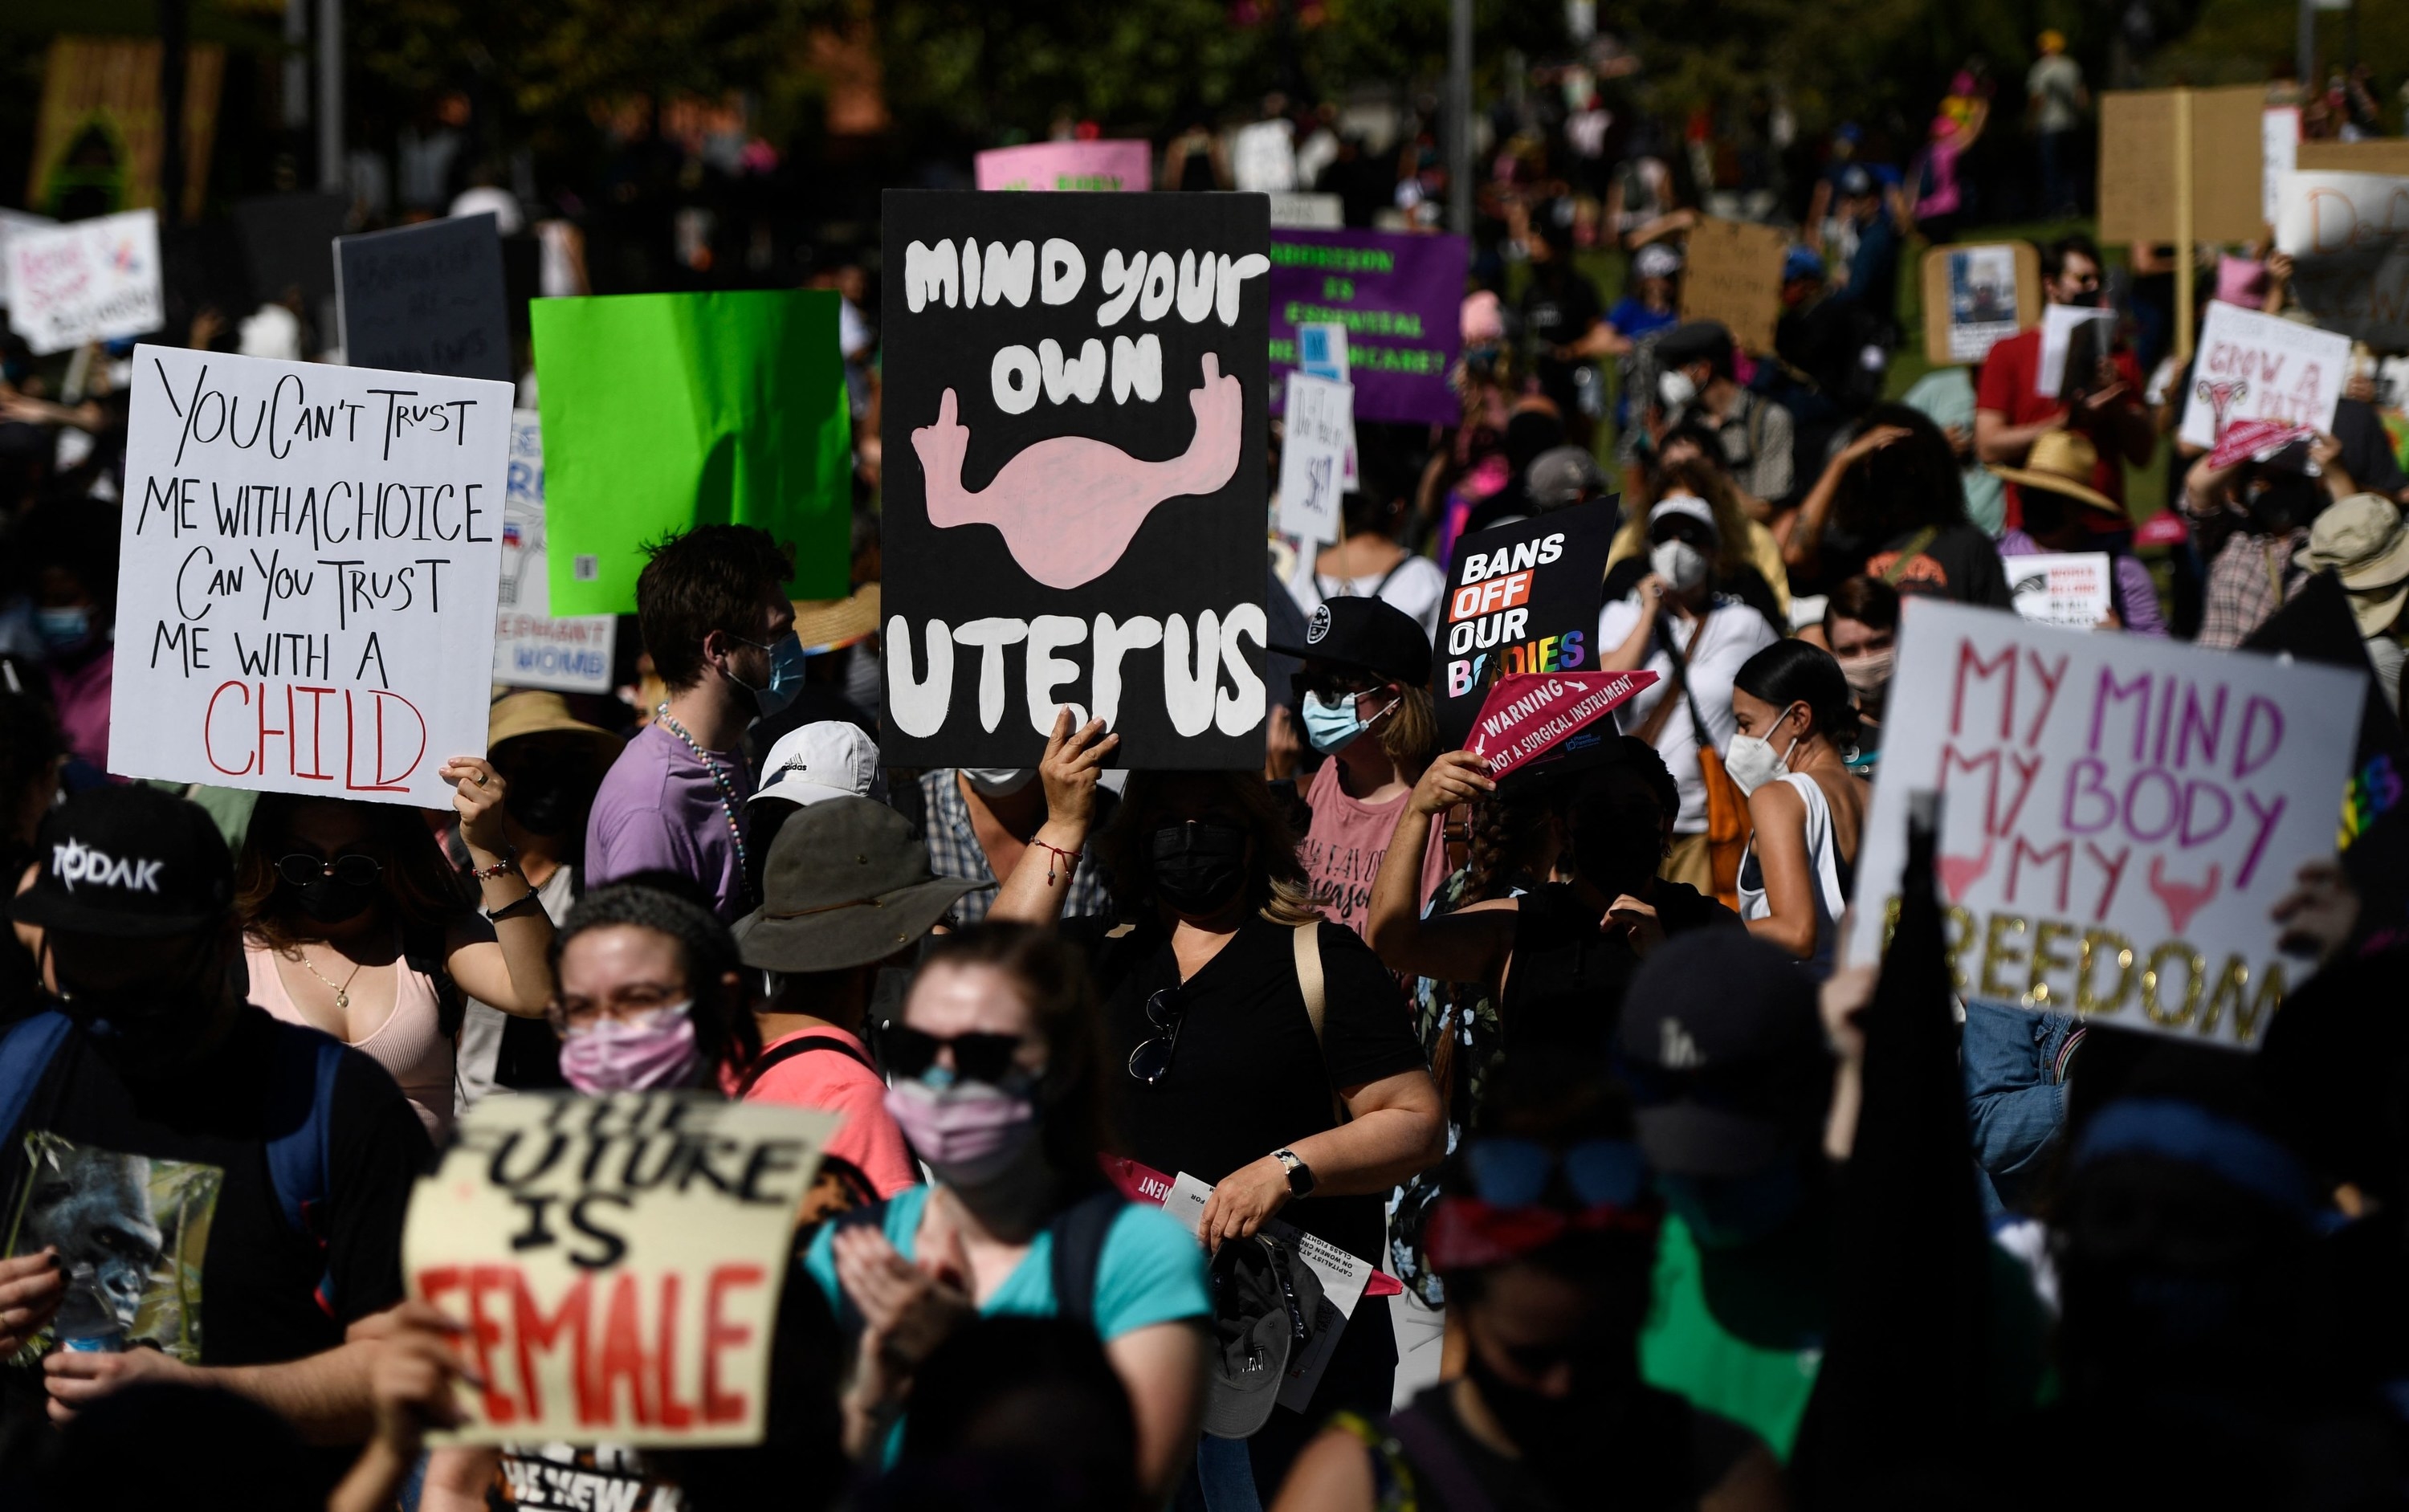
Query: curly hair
x,y
723,1024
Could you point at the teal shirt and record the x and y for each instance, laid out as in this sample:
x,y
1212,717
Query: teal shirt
x,y
1152,1271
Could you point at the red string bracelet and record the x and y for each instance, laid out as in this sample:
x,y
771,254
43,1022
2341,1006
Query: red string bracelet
x,y
1071,857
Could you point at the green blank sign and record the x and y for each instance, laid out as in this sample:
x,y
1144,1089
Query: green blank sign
x,y
662,411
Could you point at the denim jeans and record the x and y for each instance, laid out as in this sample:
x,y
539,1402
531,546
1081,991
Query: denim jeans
x,y
2015,1090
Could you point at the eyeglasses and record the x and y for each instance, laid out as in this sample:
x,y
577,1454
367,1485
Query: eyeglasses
x,y
1151,1060
977,1058
1518,1172
353,871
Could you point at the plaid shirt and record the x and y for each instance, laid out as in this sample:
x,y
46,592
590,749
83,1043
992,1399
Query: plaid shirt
x,y
954,851
2250,580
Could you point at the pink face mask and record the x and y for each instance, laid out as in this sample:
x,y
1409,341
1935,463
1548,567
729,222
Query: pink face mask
x,y
644,1054
969,1132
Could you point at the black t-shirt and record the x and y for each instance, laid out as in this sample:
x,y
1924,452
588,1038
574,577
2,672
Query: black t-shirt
x,y
1681,908
161,1195
1958,564
1246,1078
1563,990
1668,1456
1558,311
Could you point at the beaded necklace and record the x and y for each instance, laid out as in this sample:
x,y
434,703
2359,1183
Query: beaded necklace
x,y
726,785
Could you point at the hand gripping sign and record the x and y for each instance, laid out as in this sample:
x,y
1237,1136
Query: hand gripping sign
x,y
614,1262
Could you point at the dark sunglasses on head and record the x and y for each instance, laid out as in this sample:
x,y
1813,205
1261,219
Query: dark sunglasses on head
x,y
1151,1060
978,1058
353,871
1519,1172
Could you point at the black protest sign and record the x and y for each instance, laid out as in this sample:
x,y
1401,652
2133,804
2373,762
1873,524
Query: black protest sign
x,y
1075,392
1522,599
426,299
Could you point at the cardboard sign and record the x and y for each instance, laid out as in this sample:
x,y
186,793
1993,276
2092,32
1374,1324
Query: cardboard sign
x,y
615,1263
1319,436
2058,325
532,649
1522,600
663,411
1075,477
2254,366
90,280
1113,166
1985,293
1401,300
2137,163
2063,588
307,562
1733,276
2118,815
1525,717
426,299
2348,235
2388,155
1295,211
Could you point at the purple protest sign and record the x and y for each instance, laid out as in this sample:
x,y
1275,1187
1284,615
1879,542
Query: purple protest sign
x,y
1400,298
1094,165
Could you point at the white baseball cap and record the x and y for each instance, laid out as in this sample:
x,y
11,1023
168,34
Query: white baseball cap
x,y
828,759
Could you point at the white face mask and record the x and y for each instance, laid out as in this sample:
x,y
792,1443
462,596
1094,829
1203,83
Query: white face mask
x,y
1679,563
1675,389
1751,762
997,782
1868,673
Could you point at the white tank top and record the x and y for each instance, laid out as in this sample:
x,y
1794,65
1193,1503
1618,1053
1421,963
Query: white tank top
x,y
1822,850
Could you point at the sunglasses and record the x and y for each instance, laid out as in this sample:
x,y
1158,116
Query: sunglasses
x,y
1329,685
1519,1172
1151,1060
992,1058
353,871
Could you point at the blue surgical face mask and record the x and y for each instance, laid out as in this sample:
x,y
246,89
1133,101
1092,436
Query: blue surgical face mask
x,y
786,674
63,630
1727,1212
1332,725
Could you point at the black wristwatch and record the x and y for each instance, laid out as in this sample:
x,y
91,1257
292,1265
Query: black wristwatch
x,y
1300,1175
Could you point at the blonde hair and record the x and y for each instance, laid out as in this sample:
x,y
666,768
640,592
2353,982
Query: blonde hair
x,y
1410,733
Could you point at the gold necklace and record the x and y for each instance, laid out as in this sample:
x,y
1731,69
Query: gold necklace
x,y
342,988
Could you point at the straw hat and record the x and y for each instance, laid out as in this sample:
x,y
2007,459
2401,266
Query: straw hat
x,y
832,623
2061,462
2362,539
545,713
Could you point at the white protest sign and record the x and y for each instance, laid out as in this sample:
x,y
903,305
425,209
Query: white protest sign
x,y
532,649
1343,1279
615,1261
2279,150
306,581
2118,815
1322,353
1313,456
2063,588
1298,211
2254,366
11,223
2348,237
90,281
2058,323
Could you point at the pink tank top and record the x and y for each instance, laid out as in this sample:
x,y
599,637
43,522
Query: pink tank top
x,y
410,1044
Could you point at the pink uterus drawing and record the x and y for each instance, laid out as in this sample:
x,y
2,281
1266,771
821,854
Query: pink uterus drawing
x,y
2222,394
1068,506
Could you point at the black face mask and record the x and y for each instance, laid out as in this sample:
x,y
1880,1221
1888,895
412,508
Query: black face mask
x,y
1198,866
1616,847
152,1027
1559,1436
543,804
328,901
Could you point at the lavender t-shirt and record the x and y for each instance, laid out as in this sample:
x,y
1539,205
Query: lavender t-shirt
x,y
659,810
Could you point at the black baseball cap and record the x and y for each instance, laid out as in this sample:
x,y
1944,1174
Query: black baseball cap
x,y
1697,340
133,862
1724,1050
1369,633
1266,1302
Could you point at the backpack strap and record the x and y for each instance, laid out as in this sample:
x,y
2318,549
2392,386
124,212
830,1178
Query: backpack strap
x,y
779,1054
1430,1452
1079,1233
301,1156
26,1048
1310,983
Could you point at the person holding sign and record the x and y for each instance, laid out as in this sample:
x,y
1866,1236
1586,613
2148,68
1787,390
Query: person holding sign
x,y
152,1091
2063,513
998,1086
720,630
354,923
2267,504
1790,755
2012,410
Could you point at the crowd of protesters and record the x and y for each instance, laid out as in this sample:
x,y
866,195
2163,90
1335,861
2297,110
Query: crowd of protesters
x,y
1716,1216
